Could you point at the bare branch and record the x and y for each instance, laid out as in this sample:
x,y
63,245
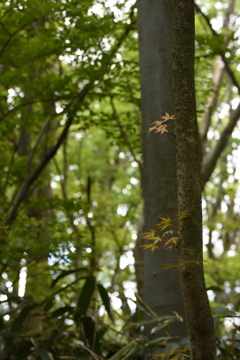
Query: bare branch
x,y
38,101
210,159
229,12
212,102
222,54
34,149
30,179
8,174
63,183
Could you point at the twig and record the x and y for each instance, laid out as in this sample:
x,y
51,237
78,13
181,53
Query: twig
x,y
222,54
211,158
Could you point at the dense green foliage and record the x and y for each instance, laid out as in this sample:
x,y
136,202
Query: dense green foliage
x,y
70,196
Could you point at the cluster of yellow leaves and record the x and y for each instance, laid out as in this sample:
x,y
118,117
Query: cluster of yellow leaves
x,y
166,239
160,125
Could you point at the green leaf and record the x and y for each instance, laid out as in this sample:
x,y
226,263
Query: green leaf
x,y
121,354
49,304
61,311
94,356
221,311
161,340
214,288
41,351
162,326
105,299
144,307
18,322
86,295
135,352
65,273
153,320
119,332
89,329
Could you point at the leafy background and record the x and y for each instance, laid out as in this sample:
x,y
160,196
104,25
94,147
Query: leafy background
x,y
67,238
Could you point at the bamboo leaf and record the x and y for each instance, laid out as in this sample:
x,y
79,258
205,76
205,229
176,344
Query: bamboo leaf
x,y
153,320
86,295
44,354
161,340
94,356
65,273
18,322
89,329
144,307
105,299
163,325
61,311
123,351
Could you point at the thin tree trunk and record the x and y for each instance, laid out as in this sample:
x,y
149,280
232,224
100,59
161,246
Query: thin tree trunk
x,y
199,317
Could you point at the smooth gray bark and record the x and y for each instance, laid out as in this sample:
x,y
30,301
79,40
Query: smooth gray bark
x,y
161,288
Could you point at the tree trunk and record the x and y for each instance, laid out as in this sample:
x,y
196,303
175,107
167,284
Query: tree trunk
x,y
161,289
199,317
